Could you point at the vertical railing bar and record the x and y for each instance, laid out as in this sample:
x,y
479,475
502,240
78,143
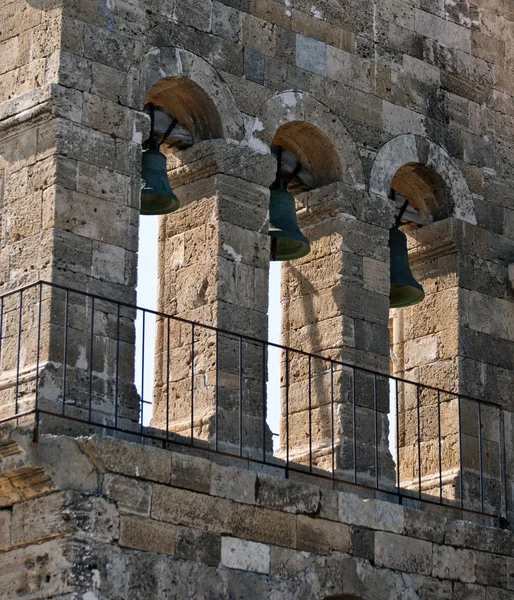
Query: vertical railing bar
x,y
264,399
354,408
439,441
216,416
310,412
91,350
192,382
418,402
117,384
38,345
332,411
398,474
65,352
461,484
240,396
143,335
168,352
20,320
480,457
375,406
287,414
503,460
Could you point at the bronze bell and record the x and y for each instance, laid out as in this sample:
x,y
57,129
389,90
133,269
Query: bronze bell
x,y
287,240
157,197
405,290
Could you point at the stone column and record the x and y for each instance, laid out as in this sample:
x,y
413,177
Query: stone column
x,y
213,270
461,339
336,303
70,180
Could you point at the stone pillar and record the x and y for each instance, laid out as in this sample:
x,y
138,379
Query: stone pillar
x,y
461,339
213,270
69,173
336,303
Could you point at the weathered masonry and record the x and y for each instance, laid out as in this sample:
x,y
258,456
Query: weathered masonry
x,y
394,477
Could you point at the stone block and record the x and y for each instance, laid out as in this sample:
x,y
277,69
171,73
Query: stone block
x,y
321,537
263,525
284,494
67,465
5,528
362,543
236,484
372,514
245,555
402,553
130,495
311,54
147,535
191,472
183,507
289,564
198,546
454,563
129,459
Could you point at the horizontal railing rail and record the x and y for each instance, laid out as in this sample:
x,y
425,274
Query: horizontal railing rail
x,y
81,362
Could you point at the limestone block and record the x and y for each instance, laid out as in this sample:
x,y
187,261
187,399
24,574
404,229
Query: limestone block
x,y
147,535
491,570
183,507
259,34
108,117
226,22
348,68
447,33
191,472
297,498
220,157
402,553
454,563
129,495
237,484
289,564
5,528
375,514
311,54
64,512
111,49
198,546
263,525
320,536
44,570
129,459
245,555
362,542
67,465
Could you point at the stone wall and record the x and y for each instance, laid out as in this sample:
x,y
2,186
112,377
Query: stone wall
x,y
128,521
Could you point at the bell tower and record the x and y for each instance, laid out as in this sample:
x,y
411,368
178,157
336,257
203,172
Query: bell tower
x,y
254,132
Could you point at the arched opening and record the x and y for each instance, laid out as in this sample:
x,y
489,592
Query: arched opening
x,y
422,341
181,101
309,161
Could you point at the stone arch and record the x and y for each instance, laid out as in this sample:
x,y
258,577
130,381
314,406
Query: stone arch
x,y
312,132
193,92
436,184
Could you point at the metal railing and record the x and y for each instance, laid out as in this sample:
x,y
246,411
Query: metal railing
x,y
68,358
